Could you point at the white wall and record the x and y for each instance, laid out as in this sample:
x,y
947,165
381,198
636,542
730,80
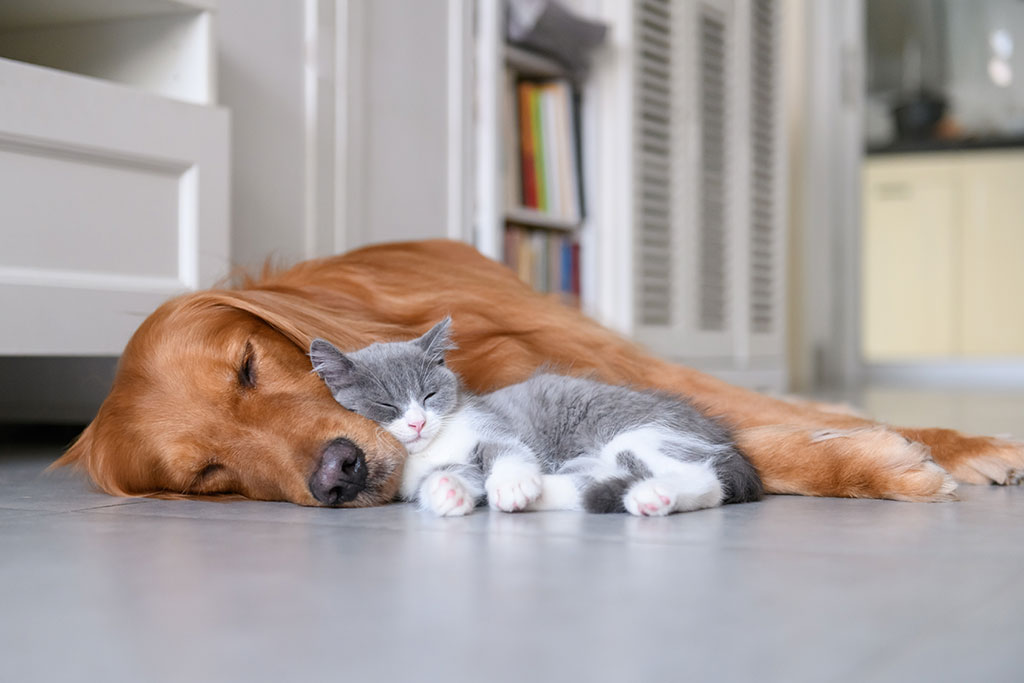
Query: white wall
x,y
825,51
402,184
343,118
261,61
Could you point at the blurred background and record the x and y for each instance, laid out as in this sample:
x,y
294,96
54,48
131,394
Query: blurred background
x,y
821,197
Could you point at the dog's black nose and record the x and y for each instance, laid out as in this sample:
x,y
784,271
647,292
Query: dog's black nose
x,y
341,474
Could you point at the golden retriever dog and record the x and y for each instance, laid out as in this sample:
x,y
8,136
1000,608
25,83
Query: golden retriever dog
x,y
214,395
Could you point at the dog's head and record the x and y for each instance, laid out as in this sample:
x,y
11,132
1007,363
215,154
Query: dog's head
x,y
215,396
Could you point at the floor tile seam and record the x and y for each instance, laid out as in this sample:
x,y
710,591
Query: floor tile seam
x,y
110,505
65,510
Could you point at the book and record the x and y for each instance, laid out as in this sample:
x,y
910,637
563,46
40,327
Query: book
x,y
526,136
539,255
512,247
567,153
577,152
511,158
575,269
537,143
551,135
525,260
555,264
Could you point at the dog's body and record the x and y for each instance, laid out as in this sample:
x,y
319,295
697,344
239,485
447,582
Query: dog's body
x,y
214,394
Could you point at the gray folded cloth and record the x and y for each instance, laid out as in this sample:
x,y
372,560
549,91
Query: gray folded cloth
x,y
547,26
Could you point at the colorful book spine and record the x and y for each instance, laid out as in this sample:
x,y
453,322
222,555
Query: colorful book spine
x,y
538,148
539,251
526,136
512,247
555,264
566,283
575,268
551,135
569,154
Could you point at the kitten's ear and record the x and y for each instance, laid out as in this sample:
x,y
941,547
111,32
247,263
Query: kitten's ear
x,y
437,340
333,366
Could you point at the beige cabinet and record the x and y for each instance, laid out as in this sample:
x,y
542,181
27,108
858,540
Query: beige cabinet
x,y
992,255
943,249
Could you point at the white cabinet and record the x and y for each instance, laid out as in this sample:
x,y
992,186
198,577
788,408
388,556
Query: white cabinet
x,y
943,242
113,169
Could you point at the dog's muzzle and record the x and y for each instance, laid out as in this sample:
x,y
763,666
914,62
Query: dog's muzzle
x,y
341,474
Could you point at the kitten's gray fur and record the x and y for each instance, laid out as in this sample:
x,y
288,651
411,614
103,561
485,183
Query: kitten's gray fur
x,y
559,425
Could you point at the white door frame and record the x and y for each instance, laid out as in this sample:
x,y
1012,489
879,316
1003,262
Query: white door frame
x,y
826,213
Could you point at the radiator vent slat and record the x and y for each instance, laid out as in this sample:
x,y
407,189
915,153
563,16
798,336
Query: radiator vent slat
x,y
763,316
713,285
655,181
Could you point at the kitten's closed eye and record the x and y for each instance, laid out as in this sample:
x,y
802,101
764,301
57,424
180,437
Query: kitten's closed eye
x,y
427,397
380,411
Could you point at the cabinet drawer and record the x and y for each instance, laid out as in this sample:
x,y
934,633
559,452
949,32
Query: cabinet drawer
x,y
111,200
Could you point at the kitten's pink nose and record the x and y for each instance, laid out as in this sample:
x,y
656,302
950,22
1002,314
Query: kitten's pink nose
x,y
417,424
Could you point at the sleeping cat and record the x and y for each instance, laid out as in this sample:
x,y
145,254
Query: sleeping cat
x,y
551,442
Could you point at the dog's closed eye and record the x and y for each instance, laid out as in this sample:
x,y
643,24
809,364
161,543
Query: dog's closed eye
x,y
247,368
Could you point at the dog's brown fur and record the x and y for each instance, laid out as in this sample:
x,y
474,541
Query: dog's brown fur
x,y
179,422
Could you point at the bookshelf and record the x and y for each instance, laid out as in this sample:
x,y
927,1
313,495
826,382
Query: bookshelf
x,y
681,236
531,208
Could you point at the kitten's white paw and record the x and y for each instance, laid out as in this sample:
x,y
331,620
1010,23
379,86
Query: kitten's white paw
x,y
513,485
650,498
445,494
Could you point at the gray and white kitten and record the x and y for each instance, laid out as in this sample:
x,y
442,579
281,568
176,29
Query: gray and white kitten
x,y
551,442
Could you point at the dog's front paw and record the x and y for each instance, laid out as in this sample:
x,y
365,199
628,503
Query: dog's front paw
x,y
513,485
446,495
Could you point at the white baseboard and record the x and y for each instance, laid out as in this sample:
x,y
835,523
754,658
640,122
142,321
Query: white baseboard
x,y
1001,373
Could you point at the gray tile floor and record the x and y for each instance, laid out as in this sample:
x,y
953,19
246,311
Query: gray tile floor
x,y
789,589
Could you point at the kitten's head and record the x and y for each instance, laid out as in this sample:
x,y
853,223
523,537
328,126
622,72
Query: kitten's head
x,y
403,386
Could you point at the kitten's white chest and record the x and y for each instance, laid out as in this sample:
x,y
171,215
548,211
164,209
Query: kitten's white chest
x,y
453,446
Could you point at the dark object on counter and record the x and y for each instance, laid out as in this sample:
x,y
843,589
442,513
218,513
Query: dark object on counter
x,y
548,27
966,144
917,115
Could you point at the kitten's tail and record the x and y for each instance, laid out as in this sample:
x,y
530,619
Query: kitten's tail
x,y
739,477
558,492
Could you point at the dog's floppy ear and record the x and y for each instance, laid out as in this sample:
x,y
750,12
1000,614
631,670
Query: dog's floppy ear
x,y
437,341
299,319
77,455
333,366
